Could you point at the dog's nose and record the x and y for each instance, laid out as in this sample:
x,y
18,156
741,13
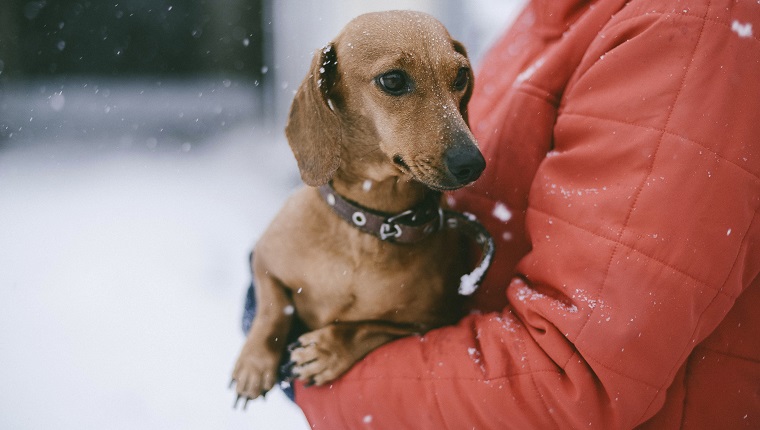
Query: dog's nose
x,y
465,163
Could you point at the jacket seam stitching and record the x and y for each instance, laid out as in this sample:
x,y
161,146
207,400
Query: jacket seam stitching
x,y
712,301
541,397
641,187
668,132
438,404
690,357
638,251
730,355
704,19
736,261
727,26
618,372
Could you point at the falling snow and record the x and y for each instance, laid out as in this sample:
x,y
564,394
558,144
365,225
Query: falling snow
x,y
744,30
57,101
502,212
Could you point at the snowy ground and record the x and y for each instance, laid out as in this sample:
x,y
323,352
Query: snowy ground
x,y
123,248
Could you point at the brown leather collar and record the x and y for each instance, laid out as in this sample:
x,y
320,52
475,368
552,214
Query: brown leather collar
x,y
410,226
415,225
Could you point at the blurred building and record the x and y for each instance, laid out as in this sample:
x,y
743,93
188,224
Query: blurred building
x,y
131,37
263,46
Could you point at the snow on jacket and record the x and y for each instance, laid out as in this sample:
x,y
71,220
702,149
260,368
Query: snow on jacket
x,y
623,187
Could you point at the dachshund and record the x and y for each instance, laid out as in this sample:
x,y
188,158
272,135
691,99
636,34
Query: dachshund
x,y
379,129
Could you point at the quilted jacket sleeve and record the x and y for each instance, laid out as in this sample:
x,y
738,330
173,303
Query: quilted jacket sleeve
x,y
643,222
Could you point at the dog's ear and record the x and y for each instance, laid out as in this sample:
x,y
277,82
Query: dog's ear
x,y
458,47
313,128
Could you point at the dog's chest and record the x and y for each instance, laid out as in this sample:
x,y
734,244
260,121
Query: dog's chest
x,y
336,272
362,279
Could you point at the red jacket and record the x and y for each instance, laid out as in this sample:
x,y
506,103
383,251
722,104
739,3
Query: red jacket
x,y
623,138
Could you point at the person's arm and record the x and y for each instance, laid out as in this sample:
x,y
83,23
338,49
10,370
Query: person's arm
x,y
644,230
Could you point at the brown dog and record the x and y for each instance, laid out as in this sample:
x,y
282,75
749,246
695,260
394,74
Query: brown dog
x,y
382,117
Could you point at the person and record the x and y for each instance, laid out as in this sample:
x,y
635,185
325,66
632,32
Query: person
x,y
623,190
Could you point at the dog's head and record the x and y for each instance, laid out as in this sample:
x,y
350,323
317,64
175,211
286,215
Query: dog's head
x,y
388,96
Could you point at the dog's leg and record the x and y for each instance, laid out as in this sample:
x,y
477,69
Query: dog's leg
x,y
257,366
322,355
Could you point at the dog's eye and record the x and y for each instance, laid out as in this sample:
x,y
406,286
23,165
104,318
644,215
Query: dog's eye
x,y
463,77
394,83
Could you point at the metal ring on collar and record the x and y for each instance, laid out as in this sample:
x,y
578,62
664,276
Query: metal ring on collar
x,y
359,218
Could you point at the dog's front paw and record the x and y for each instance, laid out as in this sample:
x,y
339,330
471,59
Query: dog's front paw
x,y
321,356
254,375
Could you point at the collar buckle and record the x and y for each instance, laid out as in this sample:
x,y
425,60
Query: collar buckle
x,y
390,231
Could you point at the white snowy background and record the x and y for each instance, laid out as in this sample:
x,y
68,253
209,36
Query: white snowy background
x,y
127,211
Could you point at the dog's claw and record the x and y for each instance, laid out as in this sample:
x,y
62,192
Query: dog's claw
x,y
232,383
237,399
286,370
309,383
295,345
245,405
